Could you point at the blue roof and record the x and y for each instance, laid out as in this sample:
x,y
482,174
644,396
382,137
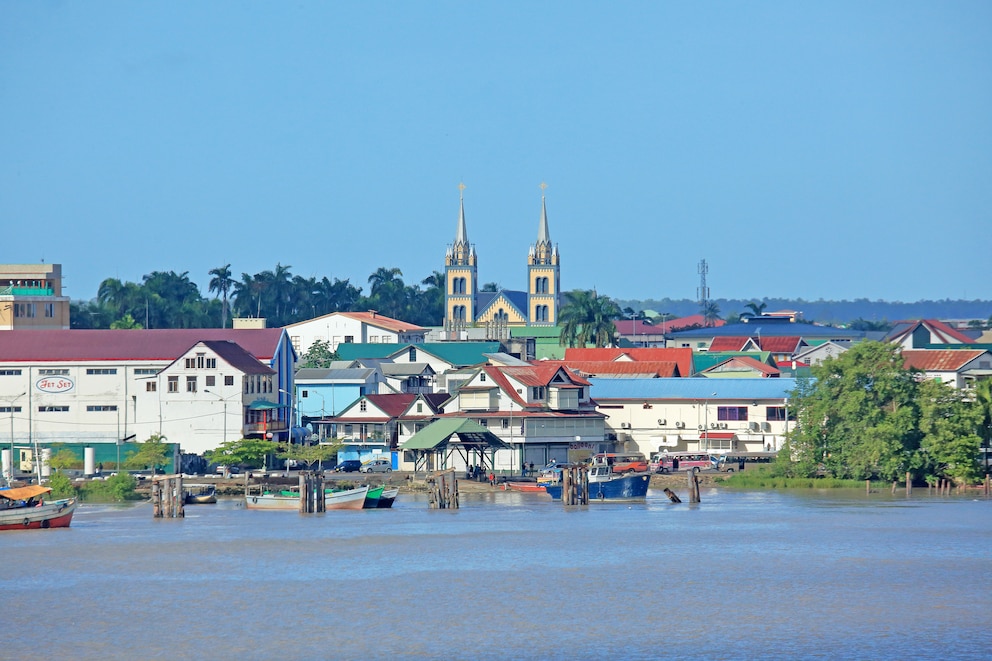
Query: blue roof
x,y
517,299
772,329
692,388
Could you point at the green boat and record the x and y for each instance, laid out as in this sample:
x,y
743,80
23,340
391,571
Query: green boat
x,y
372,497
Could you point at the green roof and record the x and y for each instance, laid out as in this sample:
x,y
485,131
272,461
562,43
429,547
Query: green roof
x,y
459,354
437,435
536,331
703,360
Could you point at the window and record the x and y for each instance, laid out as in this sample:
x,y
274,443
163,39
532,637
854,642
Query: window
x,y
538,393
190,363
349,339
211,363
420,407
110,407
210,381
295,340
413,354
151,386
53,372
190,384
483,422
10,372
49,310
173,384
304,394
505,423
731,413
363,406
145,371
102,370
53,409
482,377
228,380
777,414
26,310
7,409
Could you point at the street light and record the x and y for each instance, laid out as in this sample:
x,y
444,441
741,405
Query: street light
x,y
10,474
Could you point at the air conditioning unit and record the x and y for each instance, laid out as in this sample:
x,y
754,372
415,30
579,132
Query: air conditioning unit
x,y
753,426
713,425
662,422
700,427
624,425
680,425
766,426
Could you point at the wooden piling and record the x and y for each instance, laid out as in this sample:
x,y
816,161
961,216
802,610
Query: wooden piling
x,y
168,497
867,487
909,484
442,490
693,487
672,496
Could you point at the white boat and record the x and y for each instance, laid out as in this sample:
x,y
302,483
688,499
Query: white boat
x,y
24,508
349,499
272,501
387,498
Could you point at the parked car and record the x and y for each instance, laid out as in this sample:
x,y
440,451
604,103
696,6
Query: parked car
x,y
376,466
348,466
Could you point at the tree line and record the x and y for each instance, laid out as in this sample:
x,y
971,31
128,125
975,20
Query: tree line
x,y
863,415
166,299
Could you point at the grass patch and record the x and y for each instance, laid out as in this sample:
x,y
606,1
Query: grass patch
x,y
762,478
114,489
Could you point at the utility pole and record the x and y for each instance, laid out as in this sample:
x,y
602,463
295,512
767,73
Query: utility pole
x,y
703,292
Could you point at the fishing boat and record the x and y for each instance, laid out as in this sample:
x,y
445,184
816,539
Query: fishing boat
x,y
200,494
23,508
607,486
348,499
266,500
387,498
372,497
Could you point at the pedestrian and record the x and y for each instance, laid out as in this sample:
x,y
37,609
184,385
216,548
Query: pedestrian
x,y
492,479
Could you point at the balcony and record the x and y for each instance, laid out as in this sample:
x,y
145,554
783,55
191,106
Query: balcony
x,y
26,291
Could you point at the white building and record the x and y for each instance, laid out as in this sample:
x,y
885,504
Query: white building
x,y
353,327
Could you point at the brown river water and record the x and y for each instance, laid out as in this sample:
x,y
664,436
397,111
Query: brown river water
x,y
741,575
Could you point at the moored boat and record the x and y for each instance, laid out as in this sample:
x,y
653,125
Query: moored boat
x,y
607,486
372,497
24,508
348,499
285,500
525,486
387,498
200,494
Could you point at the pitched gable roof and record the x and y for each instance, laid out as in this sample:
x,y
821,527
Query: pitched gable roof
x,y
781,344
939,360
744,364
733,343
940,333
371,318
623,368
237,357
514,299
683,357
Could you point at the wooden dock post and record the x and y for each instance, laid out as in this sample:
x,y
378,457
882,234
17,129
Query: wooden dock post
x,y
168,497
909,484
442,492
672,496
693,487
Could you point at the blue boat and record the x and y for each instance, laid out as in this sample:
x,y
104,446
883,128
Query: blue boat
x,y
607,486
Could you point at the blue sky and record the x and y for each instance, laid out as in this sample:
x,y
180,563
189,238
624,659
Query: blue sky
x,y
816,150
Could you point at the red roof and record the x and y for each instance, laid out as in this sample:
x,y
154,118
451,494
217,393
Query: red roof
x,y
647,368
940,333
683,357
729,343
540,373
383,321
939,360
393,404
784,344
691,320
98,345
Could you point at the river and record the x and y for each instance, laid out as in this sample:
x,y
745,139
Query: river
x,y
742,575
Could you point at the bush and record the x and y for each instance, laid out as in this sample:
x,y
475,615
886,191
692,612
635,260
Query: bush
x,y
116,488
62,486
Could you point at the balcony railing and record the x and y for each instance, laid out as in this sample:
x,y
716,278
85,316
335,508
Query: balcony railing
x,y
26,291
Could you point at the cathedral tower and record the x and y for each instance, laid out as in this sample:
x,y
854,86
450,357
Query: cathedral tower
x,y
543,285
461,281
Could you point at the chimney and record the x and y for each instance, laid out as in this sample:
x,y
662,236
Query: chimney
x,y
372,312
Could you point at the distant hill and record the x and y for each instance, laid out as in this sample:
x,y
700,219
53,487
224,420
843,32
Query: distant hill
x,y
828,312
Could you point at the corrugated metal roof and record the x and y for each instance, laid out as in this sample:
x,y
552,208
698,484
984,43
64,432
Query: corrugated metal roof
x,y
371,318
158,344
624,368
764,328
733,343
939,360
702,389
237,357
681,356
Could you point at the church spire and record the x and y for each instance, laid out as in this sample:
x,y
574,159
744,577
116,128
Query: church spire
x,y
461,235
543,234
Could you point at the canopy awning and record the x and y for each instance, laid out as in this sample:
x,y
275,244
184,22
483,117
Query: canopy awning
x,y
454,432
266,405
23,493
724,435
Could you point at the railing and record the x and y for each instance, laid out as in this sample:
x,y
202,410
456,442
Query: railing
x,y
26,291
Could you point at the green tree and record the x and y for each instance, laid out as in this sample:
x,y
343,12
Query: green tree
x,y
222,283
949,422
64,459
755,309
859,418
711,313
587,318
308,454
318,355
126,322
247,452
153,454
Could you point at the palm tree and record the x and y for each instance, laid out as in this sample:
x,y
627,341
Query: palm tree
x,y
711,312
587,318
222,284
756,309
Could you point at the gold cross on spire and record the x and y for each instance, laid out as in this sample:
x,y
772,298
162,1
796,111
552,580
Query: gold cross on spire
x,y
461,188
542,187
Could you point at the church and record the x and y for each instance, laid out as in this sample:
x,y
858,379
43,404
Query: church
x,y
465,306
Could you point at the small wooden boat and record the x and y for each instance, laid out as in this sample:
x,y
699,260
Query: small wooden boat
x,y
266,500
349,499
524,486
200,494
24,508
372,497
387,498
